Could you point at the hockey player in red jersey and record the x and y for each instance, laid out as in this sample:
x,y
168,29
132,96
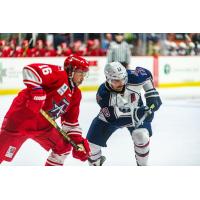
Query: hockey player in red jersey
x,y
55,90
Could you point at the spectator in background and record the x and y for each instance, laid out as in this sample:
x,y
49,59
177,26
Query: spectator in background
x,y
93,48
154,48
179,44
197,49
190,45
89,47
13,37
25,50
39,50
50,51
106,41
64,50
13,45
29,37
137,45
191,49
119,50
4,49
182,49
165,47
42,36
18,52
60,38
166,44
173,49
78,48
196,40
170,47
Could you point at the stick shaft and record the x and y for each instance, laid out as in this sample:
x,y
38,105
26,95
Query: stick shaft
x,y
55,125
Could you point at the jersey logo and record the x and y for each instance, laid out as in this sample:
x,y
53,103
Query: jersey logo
x,y
58,109
133,98
138,71
119,69
105,112
10,152
62,89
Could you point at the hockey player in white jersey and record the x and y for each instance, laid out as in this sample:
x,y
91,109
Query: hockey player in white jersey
x,y
122,106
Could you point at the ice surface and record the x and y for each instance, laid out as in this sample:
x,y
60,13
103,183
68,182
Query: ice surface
x,y
175,140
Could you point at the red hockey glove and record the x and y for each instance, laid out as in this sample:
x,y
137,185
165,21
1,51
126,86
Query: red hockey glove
x,y
36,99
84,151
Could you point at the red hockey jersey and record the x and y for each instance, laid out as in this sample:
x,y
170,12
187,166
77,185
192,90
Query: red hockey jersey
x,y
62,100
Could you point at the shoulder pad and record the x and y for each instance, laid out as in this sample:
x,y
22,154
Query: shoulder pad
x,y
103,95
139,75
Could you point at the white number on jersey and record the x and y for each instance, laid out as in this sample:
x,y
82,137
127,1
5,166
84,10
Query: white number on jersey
x,y
45,69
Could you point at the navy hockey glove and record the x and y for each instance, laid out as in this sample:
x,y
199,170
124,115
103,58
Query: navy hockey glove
x,y
138,113
153,98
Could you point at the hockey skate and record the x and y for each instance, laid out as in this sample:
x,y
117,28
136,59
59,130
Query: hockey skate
x,y
97,162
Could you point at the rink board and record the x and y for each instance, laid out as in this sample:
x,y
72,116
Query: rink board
x,y
167,71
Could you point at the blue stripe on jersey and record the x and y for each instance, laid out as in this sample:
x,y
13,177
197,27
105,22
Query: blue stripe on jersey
x,y
37,88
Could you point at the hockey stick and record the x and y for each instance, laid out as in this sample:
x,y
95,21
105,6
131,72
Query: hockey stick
x,y
55,125
145,116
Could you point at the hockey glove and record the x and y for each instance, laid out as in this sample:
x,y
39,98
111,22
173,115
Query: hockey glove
x,y
36,99
84,151
138,113
153,98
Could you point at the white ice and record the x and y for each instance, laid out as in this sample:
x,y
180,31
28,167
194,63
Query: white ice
x,y
175,140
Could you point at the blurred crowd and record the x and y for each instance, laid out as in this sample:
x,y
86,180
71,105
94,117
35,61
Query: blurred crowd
x,y
46,49
96,44
174,44
43,47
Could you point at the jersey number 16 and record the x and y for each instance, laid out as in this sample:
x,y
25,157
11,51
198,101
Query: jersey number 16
x,y
45,69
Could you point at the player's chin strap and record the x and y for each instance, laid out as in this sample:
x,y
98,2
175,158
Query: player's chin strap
x,y
63,133
71,82
145,116
70,73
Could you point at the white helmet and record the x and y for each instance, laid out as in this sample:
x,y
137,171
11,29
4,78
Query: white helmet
x,y
115,71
